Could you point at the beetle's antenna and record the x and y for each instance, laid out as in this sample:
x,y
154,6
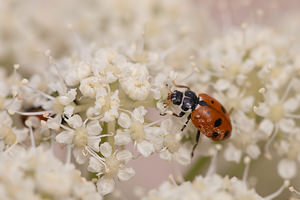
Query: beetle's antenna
x,y
180,86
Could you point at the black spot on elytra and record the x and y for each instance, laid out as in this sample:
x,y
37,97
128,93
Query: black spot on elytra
x,y
202,103
212,101
223,109
215,134
208,112
218,122
226,134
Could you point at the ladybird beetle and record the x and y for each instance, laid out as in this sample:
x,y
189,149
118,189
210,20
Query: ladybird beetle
x,y
207,114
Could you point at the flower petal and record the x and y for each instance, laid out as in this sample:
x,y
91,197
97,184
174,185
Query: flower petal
x,y
75,121
287,169
93,142
183,155
94,165
122,137
124,156
126,174
106,149
105,185
145,148
286,125
139,113
266,126
64,137
124,120
253,151
54,123
93,127
231,153
291,105
79,156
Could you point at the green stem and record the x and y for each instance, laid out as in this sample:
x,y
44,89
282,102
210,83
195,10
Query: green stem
x,y
111,128
196,168
83,107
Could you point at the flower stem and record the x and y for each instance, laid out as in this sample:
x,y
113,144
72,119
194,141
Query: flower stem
x,y
196,168
111,128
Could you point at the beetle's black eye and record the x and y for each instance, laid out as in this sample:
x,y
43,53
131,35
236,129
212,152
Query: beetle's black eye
x,y
176,97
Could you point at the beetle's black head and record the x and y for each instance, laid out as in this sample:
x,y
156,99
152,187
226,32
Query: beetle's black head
x,y
176,97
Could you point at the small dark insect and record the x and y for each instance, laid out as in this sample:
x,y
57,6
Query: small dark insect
x,y
33,109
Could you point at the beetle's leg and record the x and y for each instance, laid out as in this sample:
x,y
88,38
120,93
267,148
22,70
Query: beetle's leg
x,y
180,114
195,145
187,121
174,114
166,104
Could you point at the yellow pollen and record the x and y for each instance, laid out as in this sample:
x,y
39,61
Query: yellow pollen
x,y
276,112
137,131
80,138
58,108
171,143
113,165
8,135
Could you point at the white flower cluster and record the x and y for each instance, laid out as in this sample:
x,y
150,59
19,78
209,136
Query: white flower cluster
x,y
99,91
163,23
94,102
212,187
36,174
252,71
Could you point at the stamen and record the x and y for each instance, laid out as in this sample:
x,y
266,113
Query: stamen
x,y
15,98
52,140
206,71
165,53
99,174
69,150
163,149
269,142
187,77
16,67
285,184
76,37
155,122
247,161
262,90
85,121
172,180
65,127
47,112
115,152
213,163
92,153
292,116
292,189
287,90
11,147
244,27
107,135
40,92
28,124
124,110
